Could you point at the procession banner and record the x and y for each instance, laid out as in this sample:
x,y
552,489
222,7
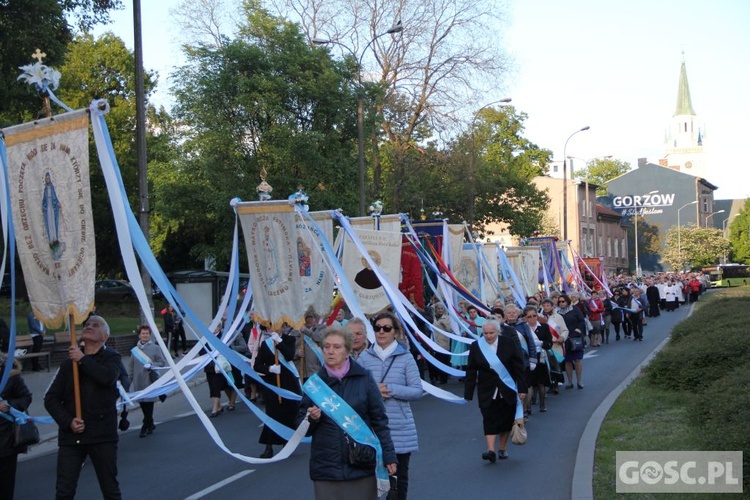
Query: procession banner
x,y
390,222
48,173
525,262
411,274
384,247
315,277
455,245
467,271
270,230
490,283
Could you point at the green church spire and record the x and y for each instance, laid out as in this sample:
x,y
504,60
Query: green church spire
x,y
684,104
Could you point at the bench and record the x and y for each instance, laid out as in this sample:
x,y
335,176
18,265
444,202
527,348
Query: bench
x,y
25,342
62,341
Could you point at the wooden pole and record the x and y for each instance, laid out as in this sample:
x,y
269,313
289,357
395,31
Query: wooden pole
x,y
76,383
278,375
302,362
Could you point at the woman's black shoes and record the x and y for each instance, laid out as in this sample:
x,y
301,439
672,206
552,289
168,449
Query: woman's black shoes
x,y
487,455
502,455
268,452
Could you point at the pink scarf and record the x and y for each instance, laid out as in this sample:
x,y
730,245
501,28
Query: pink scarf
x,y
338,373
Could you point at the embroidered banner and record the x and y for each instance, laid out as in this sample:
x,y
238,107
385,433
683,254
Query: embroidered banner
x,y
385,249
455,245
490,266
271,241
466,271
390,222
316,277
48,172
525,262
411,274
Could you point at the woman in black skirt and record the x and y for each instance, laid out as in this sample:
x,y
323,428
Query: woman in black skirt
x,y
497,401
282,410
540,378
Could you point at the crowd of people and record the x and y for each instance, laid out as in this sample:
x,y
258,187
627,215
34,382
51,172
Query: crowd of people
x,y
521,355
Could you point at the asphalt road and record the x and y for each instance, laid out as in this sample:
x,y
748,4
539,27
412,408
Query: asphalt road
x,y
180,461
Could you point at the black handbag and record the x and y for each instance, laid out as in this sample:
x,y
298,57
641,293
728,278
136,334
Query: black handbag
x,y
25,435
360,456
574,344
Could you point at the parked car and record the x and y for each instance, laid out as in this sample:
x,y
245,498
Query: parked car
x,y
112,290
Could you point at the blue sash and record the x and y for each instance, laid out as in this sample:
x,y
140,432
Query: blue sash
x,y
350,422
314,347
282,360
500,369
141,356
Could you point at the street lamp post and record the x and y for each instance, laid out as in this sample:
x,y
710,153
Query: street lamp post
x,y
679,241
396,28
472,160
565,182
712,214
587,210
637,264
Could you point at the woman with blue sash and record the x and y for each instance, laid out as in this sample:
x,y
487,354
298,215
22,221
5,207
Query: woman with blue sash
x,y
496,369
145,358
348,389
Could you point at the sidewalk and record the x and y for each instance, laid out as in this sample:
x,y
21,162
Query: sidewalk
x,y
174,406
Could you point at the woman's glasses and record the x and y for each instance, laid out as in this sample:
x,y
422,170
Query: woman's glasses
x,y
385,328
561,302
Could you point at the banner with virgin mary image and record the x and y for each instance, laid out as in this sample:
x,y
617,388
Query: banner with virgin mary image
x,y
50,193
270,230
384,247
314,272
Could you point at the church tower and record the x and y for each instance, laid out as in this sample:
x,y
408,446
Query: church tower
x,y
684,139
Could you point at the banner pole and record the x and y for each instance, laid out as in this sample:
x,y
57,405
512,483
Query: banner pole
x,y
278,375
76,383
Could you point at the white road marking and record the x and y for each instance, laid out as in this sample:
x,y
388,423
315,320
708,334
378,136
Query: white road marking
x,y
220,484
590,354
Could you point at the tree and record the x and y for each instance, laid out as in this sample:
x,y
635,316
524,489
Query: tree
x,y
26,25
446,59
265,99
599,171
739,235
504,165
105,68
697,247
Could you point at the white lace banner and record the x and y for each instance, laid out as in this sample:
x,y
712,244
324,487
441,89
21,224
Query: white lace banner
x,y
48,170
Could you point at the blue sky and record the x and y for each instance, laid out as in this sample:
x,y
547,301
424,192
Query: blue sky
x,y
612,65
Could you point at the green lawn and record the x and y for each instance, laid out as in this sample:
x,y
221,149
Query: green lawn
x,y
123,317
664,409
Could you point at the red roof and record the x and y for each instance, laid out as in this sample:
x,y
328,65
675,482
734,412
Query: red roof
x,y
601,209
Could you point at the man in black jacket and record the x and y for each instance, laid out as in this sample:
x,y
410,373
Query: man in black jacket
x,y
93,435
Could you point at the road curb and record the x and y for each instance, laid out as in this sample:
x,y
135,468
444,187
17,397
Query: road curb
x,y
583,473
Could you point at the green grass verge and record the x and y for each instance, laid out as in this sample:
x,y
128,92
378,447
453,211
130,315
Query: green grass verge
x,y
122,317
693,396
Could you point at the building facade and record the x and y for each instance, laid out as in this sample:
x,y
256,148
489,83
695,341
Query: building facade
x,y
655,199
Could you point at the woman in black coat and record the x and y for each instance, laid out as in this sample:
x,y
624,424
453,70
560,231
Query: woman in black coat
x,y
16,395
282,410
333,476
497,401
540,377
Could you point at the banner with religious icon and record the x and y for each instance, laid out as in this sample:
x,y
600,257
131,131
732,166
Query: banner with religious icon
x,y
384,247
315,275
48,173
525,262
271,241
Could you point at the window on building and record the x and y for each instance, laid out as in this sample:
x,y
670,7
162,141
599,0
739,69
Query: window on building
x,y
609,246
601,245
624,248
617,250
554,168
705,205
